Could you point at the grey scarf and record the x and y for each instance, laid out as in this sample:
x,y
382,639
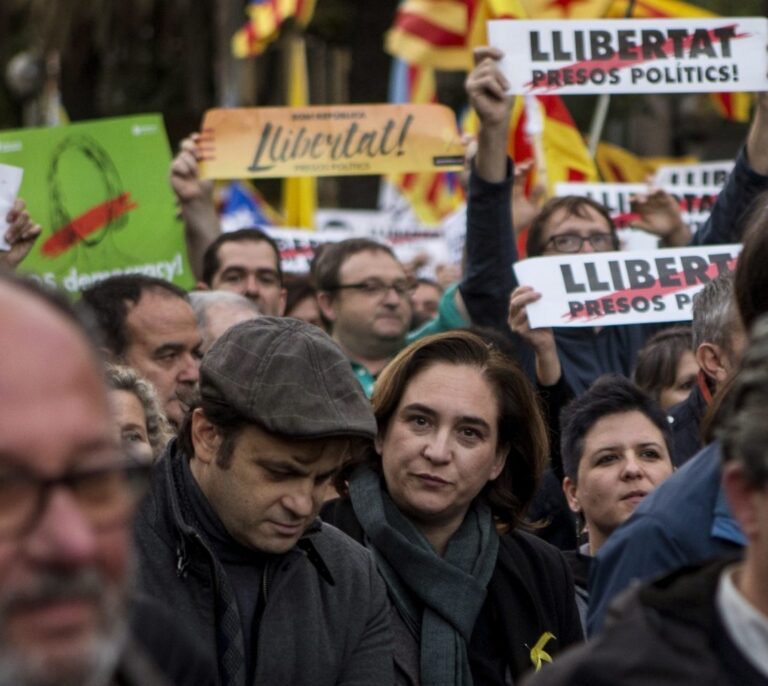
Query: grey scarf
x,y
438,598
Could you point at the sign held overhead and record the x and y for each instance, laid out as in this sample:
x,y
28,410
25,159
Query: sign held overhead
x,y
633,55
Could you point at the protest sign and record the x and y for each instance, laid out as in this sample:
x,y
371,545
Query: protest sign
x,y
10,182
329,141
407,239
704,174
692,55
100,191
695,202
612,288
297,246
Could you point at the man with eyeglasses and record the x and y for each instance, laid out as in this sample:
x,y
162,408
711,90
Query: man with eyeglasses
x,y
575,225
67,498
365,296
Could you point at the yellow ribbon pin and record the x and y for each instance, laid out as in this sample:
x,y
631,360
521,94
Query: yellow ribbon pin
x,y
538,654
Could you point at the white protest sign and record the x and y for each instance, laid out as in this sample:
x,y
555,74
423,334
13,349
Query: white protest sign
x,y
633,55
612,288
10,182
408,239
704,174
695,202
297,246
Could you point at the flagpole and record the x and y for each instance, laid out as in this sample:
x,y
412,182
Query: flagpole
x,y
603,103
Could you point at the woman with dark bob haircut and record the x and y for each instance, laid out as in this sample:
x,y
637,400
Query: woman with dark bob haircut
x,y
460,448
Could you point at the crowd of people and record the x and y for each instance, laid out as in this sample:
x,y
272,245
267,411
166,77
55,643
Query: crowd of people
x,y
356,477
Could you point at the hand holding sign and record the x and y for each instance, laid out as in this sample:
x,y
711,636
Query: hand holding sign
x,y
659,213
21,235
487,89
542,340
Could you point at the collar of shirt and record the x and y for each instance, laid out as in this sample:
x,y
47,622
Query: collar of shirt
x,y
366,379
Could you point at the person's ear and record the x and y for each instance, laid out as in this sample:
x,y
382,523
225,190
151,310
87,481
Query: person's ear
x,y
325,303
202,286
570,491
282,302
206,439
713,361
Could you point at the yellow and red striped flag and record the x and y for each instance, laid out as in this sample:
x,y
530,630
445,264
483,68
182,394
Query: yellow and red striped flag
x,y
265,18
565,9
617,165
432,196
731,106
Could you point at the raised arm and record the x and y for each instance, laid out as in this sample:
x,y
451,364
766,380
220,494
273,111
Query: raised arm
x,y
195,198
490,245
748,179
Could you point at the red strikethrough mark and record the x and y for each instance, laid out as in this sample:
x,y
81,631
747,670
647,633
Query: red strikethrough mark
x,y
712,272
620,63
87,223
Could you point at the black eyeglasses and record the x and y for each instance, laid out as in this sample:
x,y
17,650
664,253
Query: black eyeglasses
x,y
378,288
572,242
106,495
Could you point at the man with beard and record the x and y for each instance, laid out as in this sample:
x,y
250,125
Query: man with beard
x,y
149,325
67,496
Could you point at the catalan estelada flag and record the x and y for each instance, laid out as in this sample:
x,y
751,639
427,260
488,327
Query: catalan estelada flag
x,y
265,17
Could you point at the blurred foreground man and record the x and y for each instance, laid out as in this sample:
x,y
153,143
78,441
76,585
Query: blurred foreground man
x,y
67,495
707,625
230,538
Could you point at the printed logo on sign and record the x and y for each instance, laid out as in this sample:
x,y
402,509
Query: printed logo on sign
x,y
143,129
11,146
447,160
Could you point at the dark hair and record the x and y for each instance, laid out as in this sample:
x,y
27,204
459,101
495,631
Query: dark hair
x,y
212,264
298,287
610,394
742,426
109,301
713,313
659,358
228,422
751,279
521,426
574,205
423,281
327,262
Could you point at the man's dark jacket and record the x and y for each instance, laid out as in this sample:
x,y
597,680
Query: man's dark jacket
x,y
325,618
668,633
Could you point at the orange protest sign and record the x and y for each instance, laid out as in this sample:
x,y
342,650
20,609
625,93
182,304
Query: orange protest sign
x,y
333,140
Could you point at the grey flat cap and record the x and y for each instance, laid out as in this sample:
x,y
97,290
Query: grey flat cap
x,y
289,377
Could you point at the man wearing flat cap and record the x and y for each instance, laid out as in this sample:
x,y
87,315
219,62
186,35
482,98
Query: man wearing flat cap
x,y
229,536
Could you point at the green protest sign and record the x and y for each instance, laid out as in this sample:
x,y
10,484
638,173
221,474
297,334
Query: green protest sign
x,y
100,191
